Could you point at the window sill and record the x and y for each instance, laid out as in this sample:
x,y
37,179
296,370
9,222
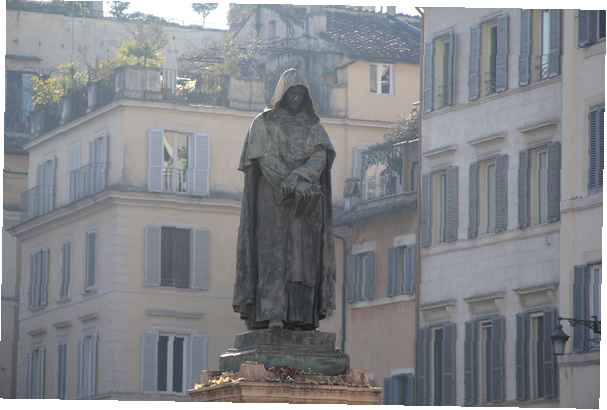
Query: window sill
x,y
381,301
89,291
63,301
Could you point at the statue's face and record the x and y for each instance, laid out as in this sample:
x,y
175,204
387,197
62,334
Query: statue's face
x,y
294,98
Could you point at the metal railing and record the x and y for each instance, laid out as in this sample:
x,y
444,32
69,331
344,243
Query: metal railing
x,y
38,201
87,180
174,179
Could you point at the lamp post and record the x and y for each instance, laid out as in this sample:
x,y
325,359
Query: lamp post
x,y
560,338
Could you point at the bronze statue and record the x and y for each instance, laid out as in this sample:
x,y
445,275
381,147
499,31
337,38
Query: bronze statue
x,y
285,271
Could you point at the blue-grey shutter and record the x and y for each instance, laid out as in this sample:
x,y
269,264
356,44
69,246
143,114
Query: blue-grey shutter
x,y
153,255
429,77
498,380
199,359
388,390
350,273
524,62
102,162
501,193
201,254
149,361
410,268
155,159
581,297
554,58
79,369
501,58
67,269
391,289
93,387
373,78
358,277
554,182
370,275
409,390
473,210
474,75
551,379
523,189
522,356
595,174
585,21
28,377
30,292
426,210
452,176
91,259
52,187
471,364
450,86
422,367
200,167
449,369
44,277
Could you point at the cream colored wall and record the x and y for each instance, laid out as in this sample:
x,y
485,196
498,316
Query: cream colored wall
x,y
364,105
15,179
82,39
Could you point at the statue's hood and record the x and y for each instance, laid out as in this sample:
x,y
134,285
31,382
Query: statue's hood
x,y
291,78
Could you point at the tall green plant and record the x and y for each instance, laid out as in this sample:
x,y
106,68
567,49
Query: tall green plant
x,y
64,81
144,47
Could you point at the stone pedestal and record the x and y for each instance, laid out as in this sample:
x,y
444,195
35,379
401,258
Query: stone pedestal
x,y
277,347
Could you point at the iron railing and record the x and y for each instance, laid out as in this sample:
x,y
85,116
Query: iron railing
x,y
175,179
87,180
38,201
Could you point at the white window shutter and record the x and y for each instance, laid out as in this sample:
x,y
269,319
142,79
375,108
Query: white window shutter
x,y
149,361
153,255
200,259
199,357
155,159
201,165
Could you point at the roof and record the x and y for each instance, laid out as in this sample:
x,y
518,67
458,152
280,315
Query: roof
x,y
373,37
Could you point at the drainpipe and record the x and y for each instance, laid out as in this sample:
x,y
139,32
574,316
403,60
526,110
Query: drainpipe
x,y
419,182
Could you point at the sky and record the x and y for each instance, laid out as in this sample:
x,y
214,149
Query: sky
x,y
180,11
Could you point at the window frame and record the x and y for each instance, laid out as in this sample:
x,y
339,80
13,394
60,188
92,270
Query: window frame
x,y
88,286
485,360
538,192
377,88
170,362
62,344
593,38
440,87
173,278
596,186
537,388
439,208
436,374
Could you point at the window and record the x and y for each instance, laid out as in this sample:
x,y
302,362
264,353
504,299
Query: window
x,y
435,365
175,257
484,362
362,286
171,363
62,370
39,271
489,57
40,200
439,211
539,186
597,136
413,176
439,72
591,27
586,305
97,164
536,356
488,63
19,101
440,207
401,270
66,266
90,260
175,163
36,373
488,196
398,389
540,56
381,79
86,387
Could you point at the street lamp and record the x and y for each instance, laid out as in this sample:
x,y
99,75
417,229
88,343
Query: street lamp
x,y
559,337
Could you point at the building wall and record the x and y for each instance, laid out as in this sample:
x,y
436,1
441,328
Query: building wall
x,y
491,263
15,179
581,218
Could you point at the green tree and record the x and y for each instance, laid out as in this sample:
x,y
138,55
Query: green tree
x,y
204,9
144,47
119,8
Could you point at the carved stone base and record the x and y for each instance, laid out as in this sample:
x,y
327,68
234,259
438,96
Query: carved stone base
x,y
277,347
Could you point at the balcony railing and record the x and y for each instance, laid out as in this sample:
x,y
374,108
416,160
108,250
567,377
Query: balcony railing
x,y
38,201
174,179
87,180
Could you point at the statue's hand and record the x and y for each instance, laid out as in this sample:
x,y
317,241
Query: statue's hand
x,y
289,184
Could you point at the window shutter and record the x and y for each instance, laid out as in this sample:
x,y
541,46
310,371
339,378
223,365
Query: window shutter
x,y
523,189
451,69
474,75
452,204
373,78
554,182
498,370
43,373
201,164
409,390
27,385
524,62
501,58
91,259
199,358
554,59
426,210
149,361
200,259
44,277
584,22
522,356
73,180
391,290
388,388
93,386
358,273
449,369
422,367
101,157
501,193
410,270
67,269
370,276
473,214
581,296
595,176
551,379
428,77
30,292
155,159
79,369
471,364
153,239
49,174
350,260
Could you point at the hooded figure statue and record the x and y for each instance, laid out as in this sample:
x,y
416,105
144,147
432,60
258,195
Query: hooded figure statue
x,y
285,269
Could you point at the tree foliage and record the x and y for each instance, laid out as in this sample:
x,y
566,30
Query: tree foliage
x,y
144,47
65,80
119,8
204,9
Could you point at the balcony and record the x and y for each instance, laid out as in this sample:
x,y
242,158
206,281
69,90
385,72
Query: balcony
x,y
87,180
175,180
38,201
